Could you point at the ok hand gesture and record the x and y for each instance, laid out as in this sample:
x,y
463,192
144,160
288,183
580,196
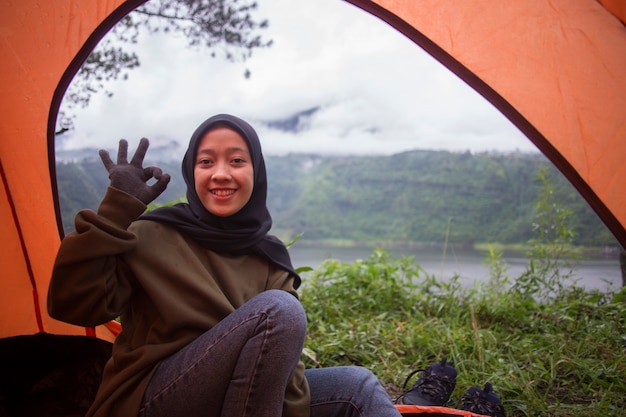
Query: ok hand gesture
x,y
132,177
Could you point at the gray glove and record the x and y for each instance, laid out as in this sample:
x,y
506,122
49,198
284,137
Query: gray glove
x,y
131,178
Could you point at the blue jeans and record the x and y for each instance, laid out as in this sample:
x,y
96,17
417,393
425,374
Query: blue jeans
x,y
348,391
241,367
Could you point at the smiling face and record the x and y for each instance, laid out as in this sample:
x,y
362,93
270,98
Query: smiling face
x,y
223,171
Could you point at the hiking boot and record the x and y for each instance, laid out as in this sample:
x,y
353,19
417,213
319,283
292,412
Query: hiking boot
x,y
484,401
433,387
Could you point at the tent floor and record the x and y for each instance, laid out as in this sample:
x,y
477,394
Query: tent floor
x,y
50,375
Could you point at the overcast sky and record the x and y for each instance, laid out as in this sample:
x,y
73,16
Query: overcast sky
x,y
378,93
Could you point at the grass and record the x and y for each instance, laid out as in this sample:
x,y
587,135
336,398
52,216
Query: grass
x,y
548,349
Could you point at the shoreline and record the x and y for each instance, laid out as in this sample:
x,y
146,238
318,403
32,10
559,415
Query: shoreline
x,y
607,252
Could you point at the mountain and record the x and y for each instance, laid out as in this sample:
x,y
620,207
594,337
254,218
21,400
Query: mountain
x,y
426,197
294,123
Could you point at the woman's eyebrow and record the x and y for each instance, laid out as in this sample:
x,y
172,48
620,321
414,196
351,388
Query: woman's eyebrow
x,y
233,149
238,149
211,151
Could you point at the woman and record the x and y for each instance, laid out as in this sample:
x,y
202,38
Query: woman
x,y
211,320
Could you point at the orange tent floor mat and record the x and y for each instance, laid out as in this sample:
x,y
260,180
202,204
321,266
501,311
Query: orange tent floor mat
x,y
433,411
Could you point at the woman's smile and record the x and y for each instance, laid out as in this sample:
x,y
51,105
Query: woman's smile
x,y
223,193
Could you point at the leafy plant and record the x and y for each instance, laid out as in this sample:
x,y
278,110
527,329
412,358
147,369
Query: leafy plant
x,y
551,254
563,357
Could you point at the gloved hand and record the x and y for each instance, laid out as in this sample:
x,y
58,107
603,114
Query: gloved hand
x,y
131,178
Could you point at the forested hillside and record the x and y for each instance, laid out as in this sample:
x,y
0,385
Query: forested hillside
x,y
413,197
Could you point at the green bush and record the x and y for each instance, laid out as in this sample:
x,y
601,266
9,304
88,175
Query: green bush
x,y
559,356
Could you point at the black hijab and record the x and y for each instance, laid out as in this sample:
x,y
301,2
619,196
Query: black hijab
x,y
244,232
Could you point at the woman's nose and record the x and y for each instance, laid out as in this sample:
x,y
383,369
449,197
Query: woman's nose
x,y
221,173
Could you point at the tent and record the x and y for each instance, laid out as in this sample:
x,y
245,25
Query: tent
x,y
555,68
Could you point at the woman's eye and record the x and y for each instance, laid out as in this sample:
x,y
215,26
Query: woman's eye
x,y
238,160
204,161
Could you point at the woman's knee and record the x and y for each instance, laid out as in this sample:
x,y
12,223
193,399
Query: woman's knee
x,y
286,308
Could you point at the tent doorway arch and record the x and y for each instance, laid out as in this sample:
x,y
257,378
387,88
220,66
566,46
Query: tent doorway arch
x,y
568,101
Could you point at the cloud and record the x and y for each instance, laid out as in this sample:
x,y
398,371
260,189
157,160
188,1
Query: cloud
x,y
375,91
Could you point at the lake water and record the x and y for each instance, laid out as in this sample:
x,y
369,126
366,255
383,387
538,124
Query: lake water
x,y
603,274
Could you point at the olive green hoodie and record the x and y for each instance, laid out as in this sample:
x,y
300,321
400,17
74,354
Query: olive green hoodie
x,y
166,289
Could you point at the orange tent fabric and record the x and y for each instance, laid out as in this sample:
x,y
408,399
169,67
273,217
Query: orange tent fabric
x,y
555,68
42,44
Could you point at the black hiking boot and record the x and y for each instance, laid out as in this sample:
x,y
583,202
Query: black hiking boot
x,y
484,401
433,387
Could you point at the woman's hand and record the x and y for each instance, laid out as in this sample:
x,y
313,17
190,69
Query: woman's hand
x,y
132,178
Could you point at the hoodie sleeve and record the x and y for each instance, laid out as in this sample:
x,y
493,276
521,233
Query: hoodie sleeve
x,y
90,285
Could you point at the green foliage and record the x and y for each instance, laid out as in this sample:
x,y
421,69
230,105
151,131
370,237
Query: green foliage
x,y
413,196
552,258
498,280
559,357
421,197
